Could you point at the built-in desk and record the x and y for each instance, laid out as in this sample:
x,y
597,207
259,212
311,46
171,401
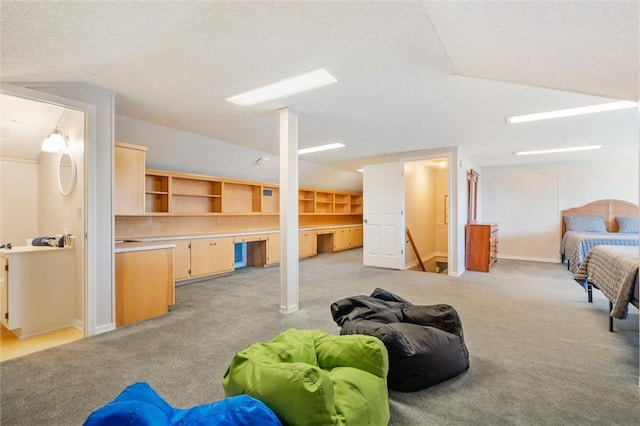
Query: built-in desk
x,y
200,256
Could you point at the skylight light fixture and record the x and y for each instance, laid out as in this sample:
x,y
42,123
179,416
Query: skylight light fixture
x,y
553,151
611,106
282,88
321,148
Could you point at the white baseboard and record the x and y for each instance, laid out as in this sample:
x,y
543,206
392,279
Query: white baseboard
x,y
105,328
76,323
532,259
289,310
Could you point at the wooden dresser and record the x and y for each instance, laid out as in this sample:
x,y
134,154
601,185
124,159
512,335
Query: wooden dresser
x,y
481,246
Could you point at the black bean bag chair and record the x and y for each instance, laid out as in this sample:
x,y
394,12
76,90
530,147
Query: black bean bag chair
x,y
425,343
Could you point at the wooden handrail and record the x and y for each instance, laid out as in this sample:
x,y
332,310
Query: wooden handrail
x,y
415,250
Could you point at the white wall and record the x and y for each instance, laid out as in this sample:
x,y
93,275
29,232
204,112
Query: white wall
x,y
461,164
18,201
171,149
526,201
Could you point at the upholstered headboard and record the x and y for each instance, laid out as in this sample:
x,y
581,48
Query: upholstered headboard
x,y
608,209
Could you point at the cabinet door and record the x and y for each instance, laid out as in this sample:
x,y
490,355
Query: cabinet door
x,y
273,249
129,168
144,281
211,256
182,259
341,239
4,291
307,244
356,236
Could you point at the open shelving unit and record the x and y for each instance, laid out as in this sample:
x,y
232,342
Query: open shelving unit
x,y
184,194
323,202
156,195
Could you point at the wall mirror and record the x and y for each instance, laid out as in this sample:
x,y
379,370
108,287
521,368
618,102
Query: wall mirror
x,y
66,172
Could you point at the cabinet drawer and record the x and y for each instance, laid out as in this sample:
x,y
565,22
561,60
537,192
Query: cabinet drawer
x,y
249,238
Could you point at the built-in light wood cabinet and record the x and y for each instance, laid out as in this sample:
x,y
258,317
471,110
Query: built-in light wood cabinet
x,y
347,238
313,201
182,258
211,256
180,194
199,257
129,179
144,284
273,249
356,236
307,244
481,246
341,239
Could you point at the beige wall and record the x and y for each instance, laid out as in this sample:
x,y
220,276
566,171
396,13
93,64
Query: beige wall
x,y
18,201
420,211
425,190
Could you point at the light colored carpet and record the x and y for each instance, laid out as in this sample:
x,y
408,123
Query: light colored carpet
x,y
540,354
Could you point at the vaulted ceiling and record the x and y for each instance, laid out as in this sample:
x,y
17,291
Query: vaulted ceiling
x,y
412,75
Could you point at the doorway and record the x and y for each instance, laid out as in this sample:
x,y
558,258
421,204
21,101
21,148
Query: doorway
x,y
41,198
427,214
417,194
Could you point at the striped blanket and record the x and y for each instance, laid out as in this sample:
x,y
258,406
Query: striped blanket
x,y
576,245
613,270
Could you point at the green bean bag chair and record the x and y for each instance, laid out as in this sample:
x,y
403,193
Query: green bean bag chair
x,y
309,377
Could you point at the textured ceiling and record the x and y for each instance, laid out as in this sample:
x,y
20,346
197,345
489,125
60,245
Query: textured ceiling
x,y
411,76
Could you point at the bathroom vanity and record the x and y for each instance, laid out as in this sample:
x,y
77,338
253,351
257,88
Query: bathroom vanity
x,y
37,289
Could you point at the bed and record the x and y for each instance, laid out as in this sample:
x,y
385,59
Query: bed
x,y
614,271
593,224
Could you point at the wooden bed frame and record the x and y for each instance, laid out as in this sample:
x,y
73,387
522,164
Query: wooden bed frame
x,y
607,209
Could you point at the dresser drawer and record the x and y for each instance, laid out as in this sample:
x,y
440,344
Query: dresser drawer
x,y
481,246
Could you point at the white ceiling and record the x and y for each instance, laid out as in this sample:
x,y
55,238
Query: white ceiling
x,y
411,76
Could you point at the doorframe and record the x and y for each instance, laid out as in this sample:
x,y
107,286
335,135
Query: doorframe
x,y
450,154
89,278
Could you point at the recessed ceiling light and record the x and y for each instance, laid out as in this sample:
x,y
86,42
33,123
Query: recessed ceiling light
x,y
612,106
552,151
282,88
360,170
321,148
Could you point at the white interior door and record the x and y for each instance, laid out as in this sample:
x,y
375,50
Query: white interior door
x,y
383,216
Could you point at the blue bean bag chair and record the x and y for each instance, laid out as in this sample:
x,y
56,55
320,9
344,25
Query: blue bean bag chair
x,y
139,405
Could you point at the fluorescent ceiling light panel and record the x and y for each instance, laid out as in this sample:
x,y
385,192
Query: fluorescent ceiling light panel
x,y
282,88
553,151
321,148
612,106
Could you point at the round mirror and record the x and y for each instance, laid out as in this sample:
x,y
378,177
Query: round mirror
x,y
66,172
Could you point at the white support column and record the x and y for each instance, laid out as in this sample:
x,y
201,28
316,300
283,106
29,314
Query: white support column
x,y
288,211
